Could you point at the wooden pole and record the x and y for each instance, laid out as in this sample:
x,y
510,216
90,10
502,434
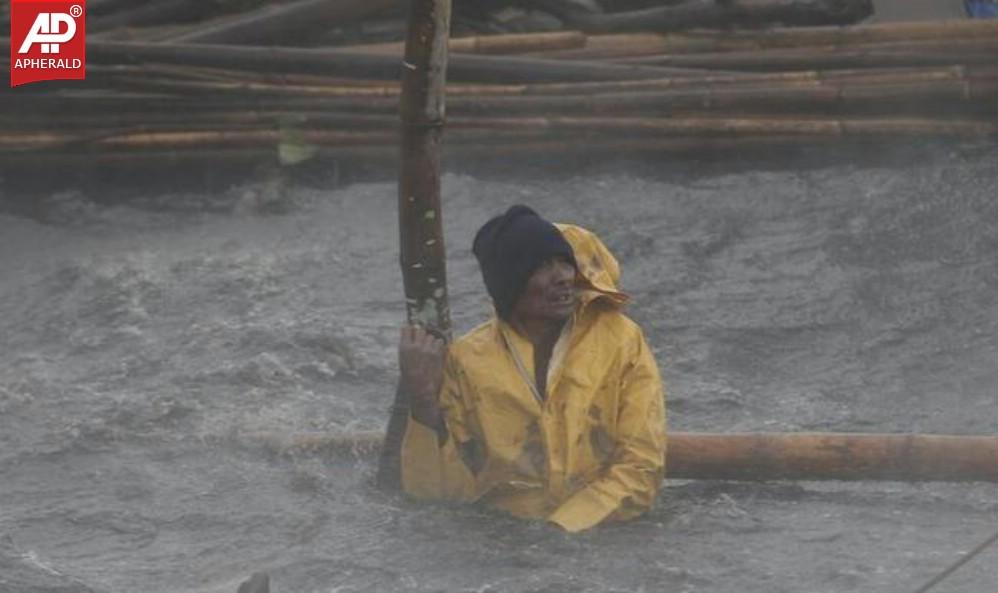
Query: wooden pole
x,y
422,256
817,456
764,456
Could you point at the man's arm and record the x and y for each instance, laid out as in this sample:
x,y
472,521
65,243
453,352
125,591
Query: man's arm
x,y
630,483
421,356
431,466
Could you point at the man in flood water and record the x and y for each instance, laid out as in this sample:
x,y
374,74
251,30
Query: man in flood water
x,y
554,408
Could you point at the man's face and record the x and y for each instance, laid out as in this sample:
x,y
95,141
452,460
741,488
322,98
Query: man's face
x,y
550,293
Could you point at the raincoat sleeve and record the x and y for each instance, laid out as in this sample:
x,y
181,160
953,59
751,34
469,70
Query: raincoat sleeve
x,y
432,467
628,486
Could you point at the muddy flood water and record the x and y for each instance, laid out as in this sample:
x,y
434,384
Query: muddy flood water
x,y
140,339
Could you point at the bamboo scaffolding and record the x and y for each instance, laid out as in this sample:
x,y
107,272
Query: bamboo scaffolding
x,y
756,456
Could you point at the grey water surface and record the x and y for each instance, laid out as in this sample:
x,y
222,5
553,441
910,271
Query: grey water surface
x,y
138,338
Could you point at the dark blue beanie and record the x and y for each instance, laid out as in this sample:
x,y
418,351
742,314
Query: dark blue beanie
x,y
510,247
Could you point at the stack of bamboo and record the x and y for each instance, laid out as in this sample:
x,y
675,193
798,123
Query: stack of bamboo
x,y
700,91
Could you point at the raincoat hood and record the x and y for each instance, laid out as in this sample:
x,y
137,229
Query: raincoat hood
x,y
599,272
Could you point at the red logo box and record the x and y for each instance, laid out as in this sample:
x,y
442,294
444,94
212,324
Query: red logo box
x,y
47,40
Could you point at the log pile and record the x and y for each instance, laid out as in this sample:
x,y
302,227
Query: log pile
x,y
173,82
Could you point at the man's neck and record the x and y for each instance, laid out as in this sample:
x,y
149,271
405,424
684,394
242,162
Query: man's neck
x,y
542,333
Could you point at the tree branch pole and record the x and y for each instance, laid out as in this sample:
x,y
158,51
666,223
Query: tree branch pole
x,y
424,274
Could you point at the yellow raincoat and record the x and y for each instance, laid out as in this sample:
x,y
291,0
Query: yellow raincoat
x,y
592,449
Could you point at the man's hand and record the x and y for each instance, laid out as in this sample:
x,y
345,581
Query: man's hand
x,y
421,365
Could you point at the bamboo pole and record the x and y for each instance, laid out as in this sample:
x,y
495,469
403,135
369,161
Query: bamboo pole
x,y
929,98
611,45
421,251
915,91
421,255
194,120
281,22
711,14
166,79
758,456
911,54
147,13
510,43
803,98
861,33
385,157
335,62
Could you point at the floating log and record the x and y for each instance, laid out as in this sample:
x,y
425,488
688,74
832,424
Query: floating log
x,y
760,456
283,22
818,456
